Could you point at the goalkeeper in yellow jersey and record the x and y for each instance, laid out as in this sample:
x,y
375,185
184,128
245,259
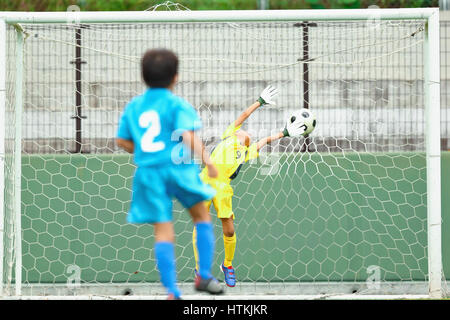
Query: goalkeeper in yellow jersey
x,y
228,156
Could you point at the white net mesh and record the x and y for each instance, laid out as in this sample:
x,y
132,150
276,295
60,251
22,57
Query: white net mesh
x,y
342,211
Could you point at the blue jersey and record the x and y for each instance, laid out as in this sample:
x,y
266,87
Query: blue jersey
x,y
155,121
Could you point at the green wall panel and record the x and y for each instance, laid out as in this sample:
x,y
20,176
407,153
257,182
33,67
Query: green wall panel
x,y
317,217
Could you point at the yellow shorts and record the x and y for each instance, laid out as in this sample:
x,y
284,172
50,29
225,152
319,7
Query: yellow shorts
x,y
222,199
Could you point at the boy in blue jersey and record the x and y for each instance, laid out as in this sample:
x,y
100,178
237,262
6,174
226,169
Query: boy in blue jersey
x,y
159,128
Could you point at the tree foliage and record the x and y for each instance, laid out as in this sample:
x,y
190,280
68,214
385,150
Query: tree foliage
x,y
138,5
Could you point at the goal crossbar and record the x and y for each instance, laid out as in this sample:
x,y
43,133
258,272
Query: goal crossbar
x,y
217,16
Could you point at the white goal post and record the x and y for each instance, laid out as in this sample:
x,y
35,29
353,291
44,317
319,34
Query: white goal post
x,y
431,94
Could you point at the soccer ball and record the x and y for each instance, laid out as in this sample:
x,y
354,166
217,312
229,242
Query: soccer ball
x,y
306,118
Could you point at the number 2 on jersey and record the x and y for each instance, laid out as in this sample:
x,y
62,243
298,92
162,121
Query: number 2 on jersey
x,y
150,120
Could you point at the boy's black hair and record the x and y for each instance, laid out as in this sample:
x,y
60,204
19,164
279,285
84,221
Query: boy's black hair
x,y
159,67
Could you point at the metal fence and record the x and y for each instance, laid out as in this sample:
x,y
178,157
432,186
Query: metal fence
x,y
77,81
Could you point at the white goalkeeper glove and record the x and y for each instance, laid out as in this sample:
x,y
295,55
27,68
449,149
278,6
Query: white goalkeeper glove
x,y
267,96
294,129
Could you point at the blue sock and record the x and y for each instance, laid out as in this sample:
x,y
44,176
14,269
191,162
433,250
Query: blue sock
x,y
165,260
205,248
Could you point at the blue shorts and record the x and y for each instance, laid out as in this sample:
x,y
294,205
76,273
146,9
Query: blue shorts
x,y
154,188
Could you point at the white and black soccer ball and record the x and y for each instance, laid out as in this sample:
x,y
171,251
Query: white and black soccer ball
x,y
306,118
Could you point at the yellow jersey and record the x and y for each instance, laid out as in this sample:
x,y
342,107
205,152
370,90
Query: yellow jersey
x,y
229,155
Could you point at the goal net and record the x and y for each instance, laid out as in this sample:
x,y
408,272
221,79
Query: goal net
x,y
345,211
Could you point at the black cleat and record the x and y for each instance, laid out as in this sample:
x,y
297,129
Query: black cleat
x,y
211,285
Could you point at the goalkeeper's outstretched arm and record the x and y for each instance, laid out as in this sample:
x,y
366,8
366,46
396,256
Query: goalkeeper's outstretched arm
x,y
289,130
261,143
266,97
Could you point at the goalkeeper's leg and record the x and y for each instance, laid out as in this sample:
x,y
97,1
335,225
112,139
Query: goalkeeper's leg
x,y
229,241
223,204
229,244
